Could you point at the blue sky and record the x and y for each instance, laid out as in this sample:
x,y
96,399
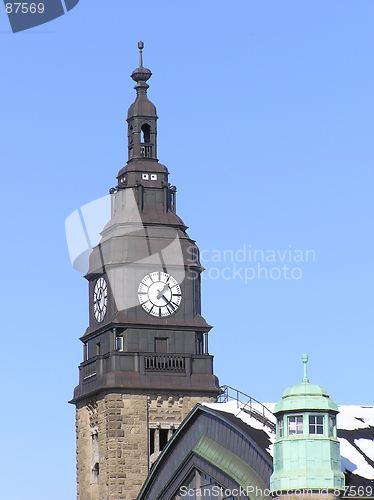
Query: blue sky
x,y
266,125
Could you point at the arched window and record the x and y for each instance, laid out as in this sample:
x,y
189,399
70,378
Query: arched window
x,y
131,141
146,133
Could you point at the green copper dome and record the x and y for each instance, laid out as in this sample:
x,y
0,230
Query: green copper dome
x,y
306,453
305,389
305,396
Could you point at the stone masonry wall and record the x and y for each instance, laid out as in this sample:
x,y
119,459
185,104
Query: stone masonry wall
x,y
119,422
83,453
172,409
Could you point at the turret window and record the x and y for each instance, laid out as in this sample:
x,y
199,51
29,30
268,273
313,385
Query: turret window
x,y
280,427
332,425
295,425
316,424
131,142
146,133
145,141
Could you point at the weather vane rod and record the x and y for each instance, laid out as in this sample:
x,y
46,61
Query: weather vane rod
x,y
140,47
304,359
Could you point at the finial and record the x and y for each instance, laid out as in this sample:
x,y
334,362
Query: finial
x,y
140,47
304,359
141,75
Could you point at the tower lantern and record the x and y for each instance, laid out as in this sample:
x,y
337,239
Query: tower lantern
x,y
142,116
306,450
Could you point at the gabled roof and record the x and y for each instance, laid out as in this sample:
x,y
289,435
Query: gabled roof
x,y
216,443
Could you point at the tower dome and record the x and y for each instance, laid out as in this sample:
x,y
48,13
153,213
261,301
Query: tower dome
x,y
142,105
305,396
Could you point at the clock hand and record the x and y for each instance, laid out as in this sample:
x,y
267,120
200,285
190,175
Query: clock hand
x,y
168,302
99,299
161,294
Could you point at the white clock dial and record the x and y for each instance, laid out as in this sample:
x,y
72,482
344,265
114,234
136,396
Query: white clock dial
x,y
159,294
100,299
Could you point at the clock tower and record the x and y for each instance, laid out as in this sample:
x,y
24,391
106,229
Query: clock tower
x,y
145,352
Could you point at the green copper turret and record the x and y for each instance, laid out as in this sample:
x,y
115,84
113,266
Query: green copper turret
x,y
306,449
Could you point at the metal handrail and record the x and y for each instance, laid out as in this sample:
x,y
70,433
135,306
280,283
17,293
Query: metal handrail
x,y
226,395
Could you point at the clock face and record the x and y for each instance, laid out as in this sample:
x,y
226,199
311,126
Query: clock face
x,y
100,299
159,294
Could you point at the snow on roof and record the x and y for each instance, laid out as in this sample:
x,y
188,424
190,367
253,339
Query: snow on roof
x,y
356,435
355,426
355,417
366,445
354,461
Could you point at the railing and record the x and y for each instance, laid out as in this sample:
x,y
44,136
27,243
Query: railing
x,y
247,404
146,150
136,362
164,362
88,370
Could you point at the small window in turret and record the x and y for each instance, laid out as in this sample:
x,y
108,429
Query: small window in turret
x,y
295,425
280,427
316,424
145,177
131,136
153,177
145,133
332,424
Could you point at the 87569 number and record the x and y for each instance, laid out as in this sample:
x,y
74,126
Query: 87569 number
x,y
358,491
24,8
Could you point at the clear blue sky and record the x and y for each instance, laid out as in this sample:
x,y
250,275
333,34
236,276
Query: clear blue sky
x,y
266,125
